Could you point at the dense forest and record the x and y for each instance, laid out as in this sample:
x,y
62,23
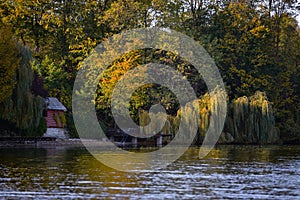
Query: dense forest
x,y
255,44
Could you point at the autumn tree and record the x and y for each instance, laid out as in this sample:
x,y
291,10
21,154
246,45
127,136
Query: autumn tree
x,y
10,60
21,111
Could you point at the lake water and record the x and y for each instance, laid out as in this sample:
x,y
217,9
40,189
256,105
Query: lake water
x,y
227,172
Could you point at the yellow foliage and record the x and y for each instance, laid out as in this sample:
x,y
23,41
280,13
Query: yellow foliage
x,y
10,60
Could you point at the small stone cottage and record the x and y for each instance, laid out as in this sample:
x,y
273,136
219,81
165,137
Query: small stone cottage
x,y
55,118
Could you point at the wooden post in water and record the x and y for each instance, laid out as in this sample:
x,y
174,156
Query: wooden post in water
x,y
112,138
134,141
159,140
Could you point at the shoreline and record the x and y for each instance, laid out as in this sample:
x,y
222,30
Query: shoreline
x,y
77,142
41,143
56,142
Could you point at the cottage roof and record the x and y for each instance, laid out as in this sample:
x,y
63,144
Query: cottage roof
x,y
55,104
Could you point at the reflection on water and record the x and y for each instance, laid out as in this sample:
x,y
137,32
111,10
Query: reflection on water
x,y
227,172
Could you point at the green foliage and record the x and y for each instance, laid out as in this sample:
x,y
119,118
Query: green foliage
x,y
60,119
249,119
63,119
147,95
10,61
21,108
71,126
253,120
239,41
255,44
38,131
56,119
55,79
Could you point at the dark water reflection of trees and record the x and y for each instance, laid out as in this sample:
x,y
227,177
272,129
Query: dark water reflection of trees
x,y
228,172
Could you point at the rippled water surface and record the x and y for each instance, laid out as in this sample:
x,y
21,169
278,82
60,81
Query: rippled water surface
x,y
228,172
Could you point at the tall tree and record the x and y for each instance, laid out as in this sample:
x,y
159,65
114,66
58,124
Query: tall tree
x,y
21,111
9,62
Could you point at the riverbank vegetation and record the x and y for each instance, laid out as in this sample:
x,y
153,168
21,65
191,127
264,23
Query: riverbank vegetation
x,y
255,44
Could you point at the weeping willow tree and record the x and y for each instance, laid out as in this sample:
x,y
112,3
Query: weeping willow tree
x,y
250,120
22,111
144,118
